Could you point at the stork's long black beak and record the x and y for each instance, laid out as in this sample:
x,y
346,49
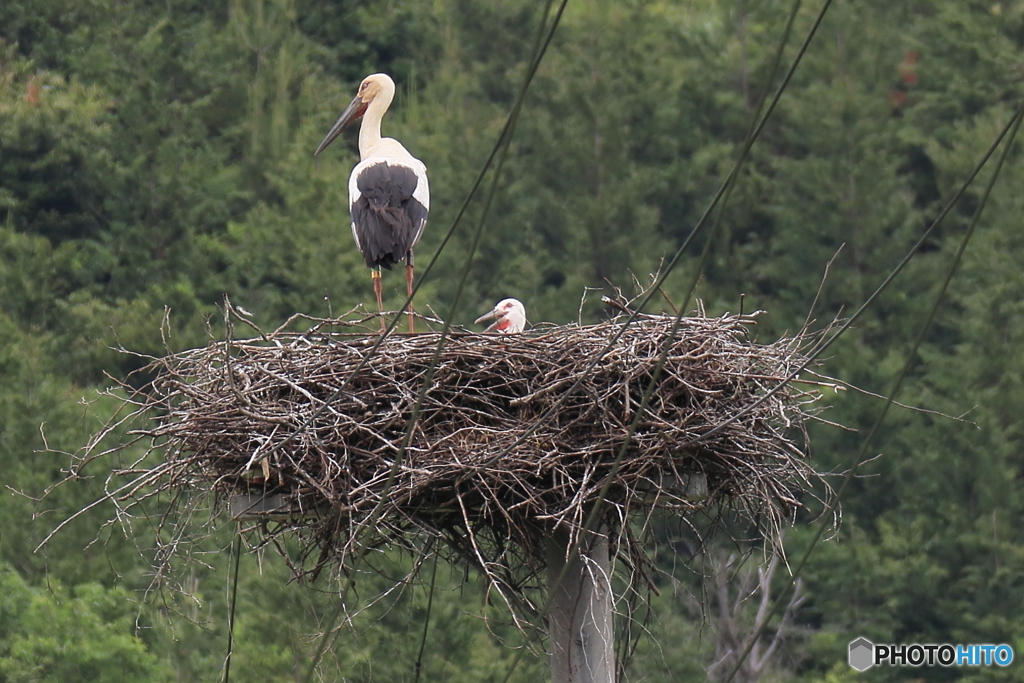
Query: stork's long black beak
x,y
490,315
353,111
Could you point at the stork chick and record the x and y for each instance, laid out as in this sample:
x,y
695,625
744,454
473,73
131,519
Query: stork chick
x,y
509,317
388,192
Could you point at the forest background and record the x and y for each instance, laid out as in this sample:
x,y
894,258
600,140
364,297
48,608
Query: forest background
x,y
158,155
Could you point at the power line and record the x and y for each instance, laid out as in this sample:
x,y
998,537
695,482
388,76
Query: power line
x,y
1012,126
544,35
757,126
426,621
231,610
667,270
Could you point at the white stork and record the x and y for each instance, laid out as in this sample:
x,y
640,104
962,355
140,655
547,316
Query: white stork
x,y
509,316
387,191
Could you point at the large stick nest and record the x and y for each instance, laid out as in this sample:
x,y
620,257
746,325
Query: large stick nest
x,y
517,434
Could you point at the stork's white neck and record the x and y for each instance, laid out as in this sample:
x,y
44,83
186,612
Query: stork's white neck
x,y
369,131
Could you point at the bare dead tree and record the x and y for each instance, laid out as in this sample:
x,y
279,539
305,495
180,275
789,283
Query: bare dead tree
x,y
742,595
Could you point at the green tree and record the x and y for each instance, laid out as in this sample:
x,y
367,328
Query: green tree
x,y
82,634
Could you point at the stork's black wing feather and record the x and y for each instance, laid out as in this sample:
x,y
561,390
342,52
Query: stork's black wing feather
x,y
386,217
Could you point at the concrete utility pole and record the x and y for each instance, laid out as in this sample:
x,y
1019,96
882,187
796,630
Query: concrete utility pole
x,y
580,610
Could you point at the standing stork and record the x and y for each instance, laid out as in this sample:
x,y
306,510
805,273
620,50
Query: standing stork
x,y
509,316
387,192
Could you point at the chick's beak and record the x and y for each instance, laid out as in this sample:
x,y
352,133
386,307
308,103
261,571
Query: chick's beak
x,y
494,315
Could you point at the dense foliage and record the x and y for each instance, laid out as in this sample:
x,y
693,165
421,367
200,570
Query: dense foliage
x,y
157,156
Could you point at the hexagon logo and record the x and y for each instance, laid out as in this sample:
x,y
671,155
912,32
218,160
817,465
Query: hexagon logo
x,y
862,654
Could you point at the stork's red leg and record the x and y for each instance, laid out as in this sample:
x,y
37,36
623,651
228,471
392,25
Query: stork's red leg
x,y
377,289
408,291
